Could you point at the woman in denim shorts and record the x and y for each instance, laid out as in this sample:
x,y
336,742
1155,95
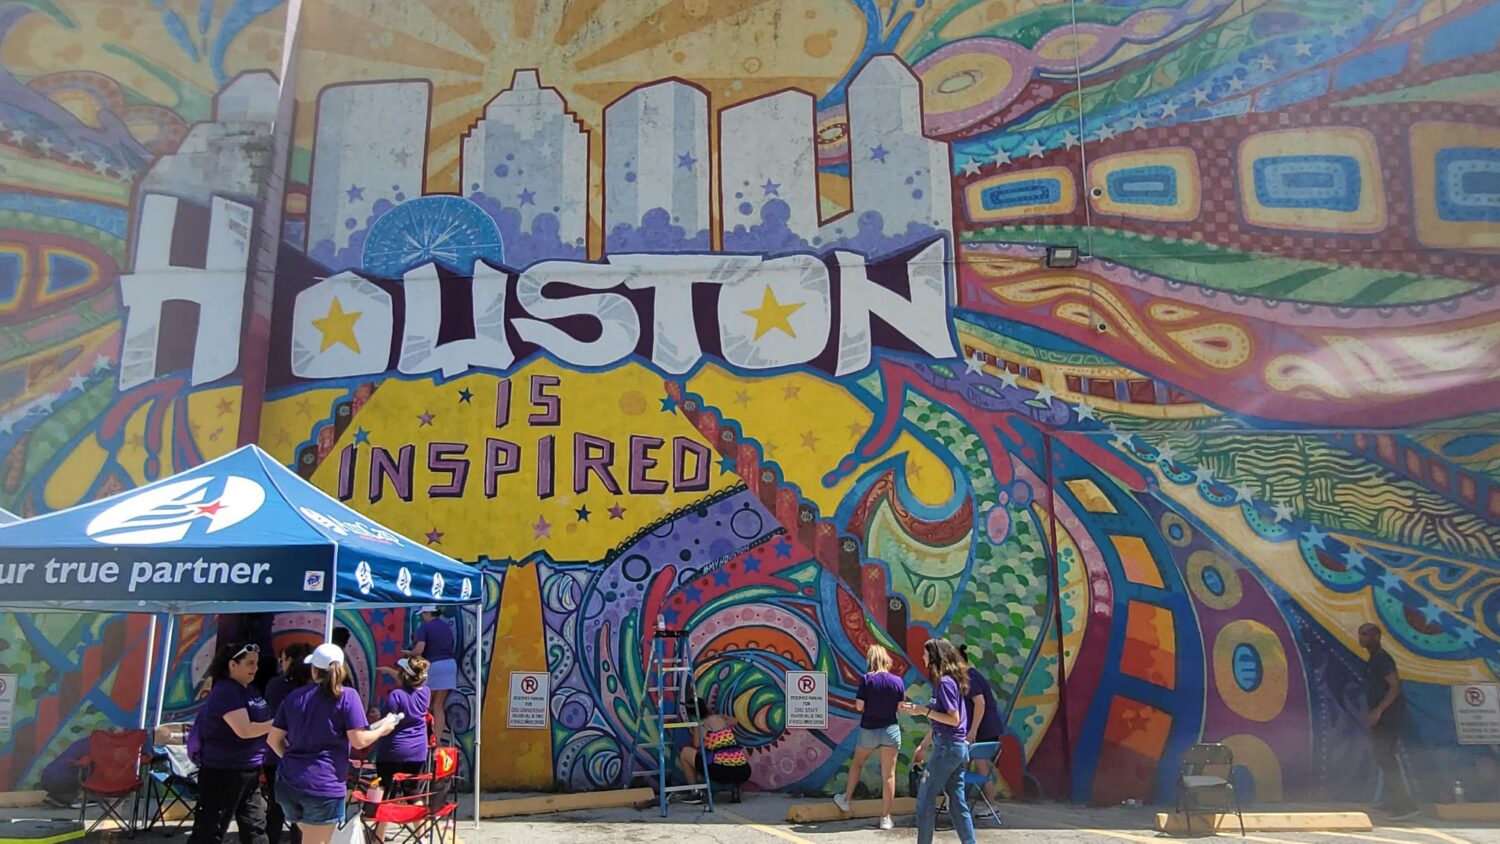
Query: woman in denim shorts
x,y
880,692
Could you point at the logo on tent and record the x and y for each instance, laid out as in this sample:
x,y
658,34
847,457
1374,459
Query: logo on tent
x,y
312,581
167,513
466,590
362,575
403,582
437,586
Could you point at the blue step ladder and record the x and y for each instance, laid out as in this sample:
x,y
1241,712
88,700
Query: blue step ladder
x,y
671,686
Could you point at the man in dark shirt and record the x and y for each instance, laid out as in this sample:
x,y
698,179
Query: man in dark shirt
x,y
1387,721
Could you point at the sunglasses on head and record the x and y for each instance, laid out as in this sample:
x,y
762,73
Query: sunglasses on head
x,y
251,648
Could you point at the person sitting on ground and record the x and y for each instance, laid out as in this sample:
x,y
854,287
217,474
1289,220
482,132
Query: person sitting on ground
x,y
60,777
728,762
880,693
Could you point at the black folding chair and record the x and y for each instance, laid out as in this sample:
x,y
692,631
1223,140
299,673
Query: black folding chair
x,y
171,781
1207,770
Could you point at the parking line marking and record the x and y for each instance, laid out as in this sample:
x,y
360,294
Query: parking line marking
x,y
760,827
1365,836
1438,834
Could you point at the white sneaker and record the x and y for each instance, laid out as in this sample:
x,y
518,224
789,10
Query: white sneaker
x,y
842,802
887,823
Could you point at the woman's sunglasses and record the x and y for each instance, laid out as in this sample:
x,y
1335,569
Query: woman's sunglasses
x,y
251,648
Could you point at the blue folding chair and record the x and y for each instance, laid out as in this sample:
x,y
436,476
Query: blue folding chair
x,y
985,751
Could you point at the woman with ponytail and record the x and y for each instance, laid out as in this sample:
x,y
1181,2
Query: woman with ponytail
x,y
950,747
314,730
404,751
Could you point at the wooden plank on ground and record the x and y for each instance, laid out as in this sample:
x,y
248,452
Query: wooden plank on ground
x,y
1176,822
1486,812
21,799
542,804
827,811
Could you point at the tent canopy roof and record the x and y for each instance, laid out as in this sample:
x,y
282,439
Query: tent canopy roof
x,y
241,533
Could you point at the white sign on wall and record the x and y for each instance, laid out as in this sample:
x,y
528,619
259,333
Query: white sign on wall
x,y
529,692
8,686
1476,713
806,700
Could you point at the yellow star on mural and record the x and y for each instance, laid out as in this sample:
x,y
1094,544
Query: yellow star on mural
x,y
338,326
772,314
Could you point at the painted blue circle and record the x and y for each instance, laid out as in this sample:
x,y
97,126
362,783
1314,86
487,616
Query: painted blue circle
x,y
448,230
1213,581
1248,671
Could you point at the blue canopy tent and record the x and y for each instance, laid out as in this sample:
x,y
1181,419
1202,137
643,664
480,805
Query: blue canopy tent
x,y
7,517
238,534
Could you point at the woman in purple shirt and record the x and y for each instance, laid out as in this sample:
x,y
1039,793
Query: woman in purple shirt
x,y
950,746
295,673
880,693
404,751
230,732
312,733
435,642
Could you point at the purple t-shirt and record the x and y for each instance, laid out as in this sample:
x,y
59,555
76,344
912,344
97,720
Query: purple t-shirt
x,y
437,634
222,747
408,742
988,728
317,747
947,699
882,692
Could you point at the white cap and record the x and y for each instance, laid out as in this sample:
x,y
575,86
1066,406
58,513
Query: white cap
x,y
404,664
429,608
325,655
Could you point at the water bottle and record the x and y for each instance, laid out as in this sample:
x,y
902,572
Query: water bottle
x,y
661,622
1458,791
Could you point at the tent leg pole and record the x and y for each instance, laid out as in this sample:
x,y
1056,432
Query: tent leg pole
x,y
146,676
328,624
478,653
166,664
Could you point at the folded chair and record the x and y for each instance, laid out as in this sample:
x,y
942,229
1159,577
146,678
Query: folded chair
x,y
418,807
1206,771
985,751
171,781
109,774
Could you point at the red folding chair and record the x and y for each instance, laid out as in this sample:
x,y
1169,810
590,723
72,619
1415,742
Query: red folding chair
x,y
424,813
109,774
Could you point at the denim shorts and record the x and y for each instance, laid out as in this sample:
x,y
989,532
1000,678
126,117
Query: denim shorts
x,y
308,808
870,739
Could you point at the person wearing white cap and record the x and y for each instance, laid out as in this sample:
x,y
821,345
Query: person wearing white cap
x,y
313,732
436,642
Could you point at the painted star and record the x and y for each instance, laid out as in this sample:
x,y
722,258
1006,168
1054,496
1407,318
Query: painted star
x,y
783,549
355,192
668,405
771,188
722,578
434,537
1123,441
1433,613
1137,121
1070,140
1366,7
692,595
101,166
1169,110
686,161
1266,63
791,391
1166,454
541,529
1034,149
856,429
1045,395
1390,581
102,363
1243,492
17,136
1084,410
1314,537
1200,95
45,146
1282,511
742,398
1467,637
726,465
225,407
617,512
465,396
528,197
973,364
425,419
1009,379
583,513
361,437
772,315
1203,475
337,327
971,167
79,382
1303,49
878,153
1236,84
1354,560
75,157
402,156
1339,30
1106,132
810,441
1001,157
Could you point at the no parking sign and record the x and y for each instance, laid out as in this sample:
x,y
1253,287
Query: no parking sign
x,y
528,700
8,686
806,700
1476,713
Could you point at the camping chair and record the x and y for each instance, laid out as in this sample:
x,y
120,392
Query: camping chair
x,y
1206,769
985,751
420,808
109,774
171,781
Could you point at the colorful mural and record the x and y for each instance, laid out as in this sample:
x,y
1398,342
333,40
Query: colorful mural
x,y
740,313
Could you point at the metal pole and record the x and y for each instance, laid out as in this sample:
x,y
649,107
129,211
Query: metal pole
x,y
1054,577
328,623
146,675
166,664
478,695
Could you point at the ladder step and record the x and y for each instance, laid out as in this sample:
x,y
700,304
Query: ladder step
x,y
678,669
655,772
677,725
697,786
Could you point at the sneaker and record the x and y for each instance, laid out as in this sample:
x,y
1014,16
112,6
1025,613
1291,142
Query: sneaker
x,y
1407,815
887,823
841,801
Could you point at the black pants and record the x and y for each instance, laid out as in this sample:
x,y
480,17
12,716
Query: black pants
x,y
1387,746
275,817
225,795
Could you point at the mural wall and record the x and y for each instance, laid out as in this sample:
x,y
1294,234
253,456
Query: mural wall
x,y
738,312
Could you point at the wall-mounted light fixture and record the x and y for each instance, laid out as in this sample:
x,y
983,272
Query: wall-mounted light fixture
x,y
1062,257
